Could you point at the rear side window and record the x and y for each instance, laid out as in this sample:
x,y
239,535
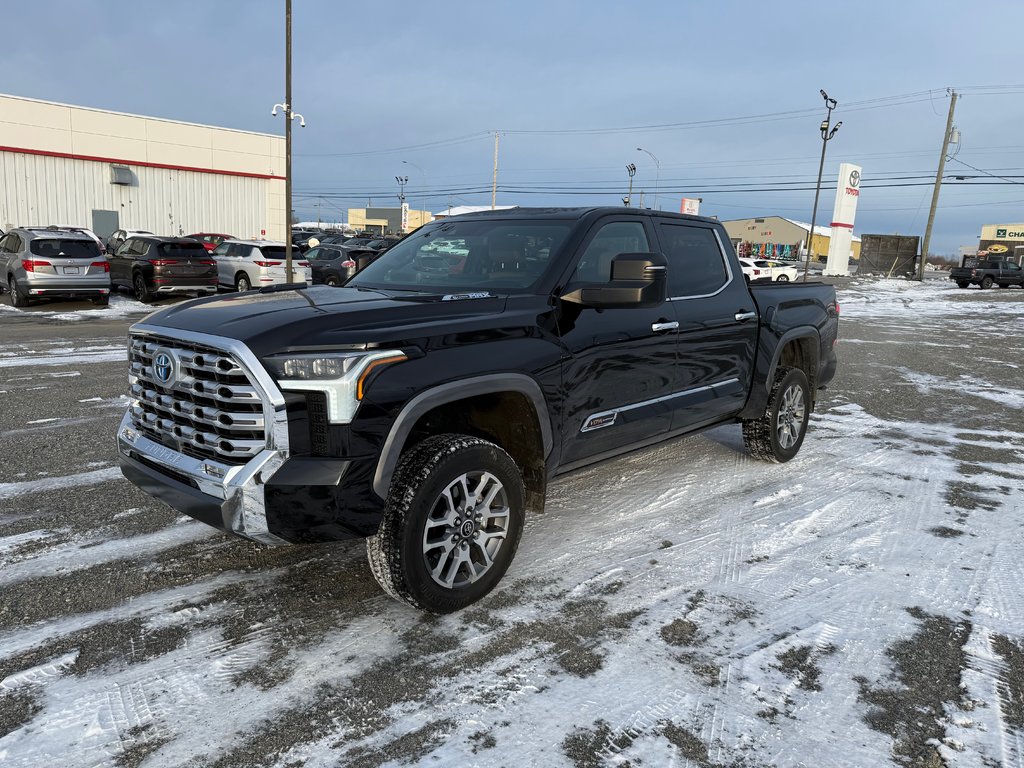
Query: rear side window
x,y
182,250
695,263
59,248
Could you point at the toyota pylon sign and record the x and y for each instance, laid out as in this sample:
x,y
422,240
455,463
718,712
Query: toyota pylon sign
x,y
690,205
841,241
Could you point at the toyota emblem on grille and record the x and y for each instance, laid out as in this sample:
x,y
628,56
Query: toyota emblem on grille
x,y
164,367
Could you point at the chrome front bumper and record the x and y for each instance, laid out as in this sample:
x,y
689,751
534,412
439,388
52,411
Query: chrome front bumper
x,y
227,496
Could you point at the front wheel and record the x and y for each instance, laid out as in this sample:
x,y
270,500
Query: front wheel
x,y
242,283
101,301
451,525
986,282
778,435
963,284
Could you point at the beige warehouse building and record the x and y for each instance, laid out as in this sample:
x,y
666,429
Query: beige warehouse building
x,y
778,233
78,166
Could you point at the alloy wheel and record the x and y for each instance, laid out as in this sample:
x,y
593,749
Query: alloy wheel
x,y
791,416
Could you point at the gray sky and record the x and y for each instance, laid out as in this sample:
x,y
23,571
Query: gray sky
x,y
555,78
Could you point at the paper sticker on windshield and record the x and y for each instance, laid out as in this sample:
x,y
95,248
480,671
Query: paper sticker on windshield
x,y
459,296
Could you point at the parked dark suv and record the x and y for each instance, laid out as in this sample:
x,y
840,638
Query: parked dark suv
x,y
335,264
152,266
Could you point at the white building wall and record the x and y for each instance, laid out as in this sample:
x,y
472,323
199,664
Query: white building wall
x,y
40,189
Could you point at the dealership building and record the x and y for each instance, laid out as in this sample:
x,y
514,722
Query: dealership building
x,y
84,167
1003,241
779,237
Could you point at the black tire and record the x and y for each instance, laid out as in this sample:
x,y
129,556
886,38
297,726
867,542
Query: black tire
x,y
242,283
332,280
101,301
398,552
18,299
142,292
782,279
778,435
986,282
963,284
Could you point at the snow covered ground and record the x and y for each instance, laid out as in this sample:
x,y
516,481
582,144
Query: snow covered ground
x,y
684,605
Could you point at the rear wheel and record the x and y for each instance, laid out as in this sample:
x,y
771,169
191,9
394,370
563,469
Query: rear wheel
x,y
332,280
18,299
778,435
986,282
963,284
783,278
142,292
451,525
242,283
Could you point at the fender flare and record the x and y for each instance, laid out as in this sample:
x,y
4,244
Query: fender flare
x,y
447,393
801,332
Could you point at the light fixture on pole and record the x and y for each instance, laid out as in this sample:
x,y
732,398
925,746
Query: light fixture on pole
x,y
402,181
826,136
657,178
289,115
628,199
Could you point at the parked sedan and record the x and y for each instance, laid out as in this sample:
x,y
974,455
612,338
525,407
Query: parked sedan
x,y
153,266
777,270
245,264
46,263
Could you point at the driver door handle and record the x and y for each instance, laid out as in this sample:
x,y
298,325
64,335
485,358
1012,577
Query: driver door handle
x,y
743,316
659,327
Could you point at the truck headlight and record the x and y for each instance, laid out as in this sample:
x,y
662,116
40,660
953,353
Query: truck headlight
x,y
341,377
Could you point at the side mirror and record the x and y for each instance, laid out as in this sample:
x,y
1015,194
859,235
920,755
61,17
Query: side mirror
x,y
638,280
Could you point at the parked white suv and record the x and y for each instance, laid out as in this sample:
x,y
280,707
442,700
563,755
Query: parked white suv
x,y
246,264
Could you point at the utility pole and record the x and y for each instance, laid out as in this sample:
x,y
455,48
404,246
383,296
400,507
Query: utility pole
x,y
938,185
494,183
657,178
289,115
826,135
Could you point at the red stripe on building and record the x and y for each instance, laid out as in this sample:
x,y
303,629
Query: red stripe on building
x,y
144,164
839,224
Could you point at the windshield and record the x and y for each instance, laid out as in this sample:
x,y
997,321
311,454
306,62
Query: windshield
x,y
65,249
459,256
182,250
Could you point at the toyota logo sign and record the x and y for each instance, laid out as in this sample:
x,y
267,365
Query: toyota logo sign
x,y
854,178
164,367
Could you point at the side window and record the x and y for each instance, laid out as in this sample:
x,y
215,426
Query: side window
x,y
696,266
220,251
5,242
17,244
314,253
612,239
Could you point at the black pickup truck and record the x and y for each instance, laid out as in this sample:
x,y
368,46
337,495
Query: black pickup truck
x,y
988,273
426,405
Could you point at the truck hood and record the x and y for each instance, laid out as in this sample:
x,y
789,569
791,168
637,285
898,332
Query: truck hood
x,y
323,316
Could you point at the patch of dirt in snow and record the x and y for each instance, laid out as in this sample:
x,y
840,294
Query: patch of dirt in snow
x,y
1011,685
16,709
928,667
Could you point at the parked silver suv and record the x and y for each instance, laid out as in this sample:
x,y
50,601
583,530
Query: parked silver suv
x,y
247,264
51,262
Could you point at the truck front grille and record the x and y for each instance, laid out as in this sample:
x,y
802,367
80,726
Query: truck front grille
x,y
208,410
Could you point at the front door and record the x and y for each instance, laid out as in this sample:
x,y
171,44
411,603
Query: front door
x,y
620,364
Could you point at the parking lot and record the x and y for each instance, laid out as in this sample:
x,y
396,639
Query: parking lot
x,y
683,605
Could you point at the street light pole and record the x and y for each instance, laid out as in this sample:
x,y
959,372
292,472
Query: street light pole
x,y
657,178
289,115
826,135
631,170
402,181
423,199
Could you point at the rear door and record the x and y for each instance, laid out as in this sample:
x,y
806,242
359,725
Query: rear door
x,y
717,323
225,264
620,366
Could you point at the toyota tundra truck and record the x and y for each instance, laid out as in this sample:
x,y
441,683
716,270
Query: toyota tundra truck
x,y
425,407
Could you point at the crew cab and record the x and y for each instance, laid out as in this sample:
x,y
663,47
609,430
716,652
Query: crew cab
x,y
988,273
427,409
